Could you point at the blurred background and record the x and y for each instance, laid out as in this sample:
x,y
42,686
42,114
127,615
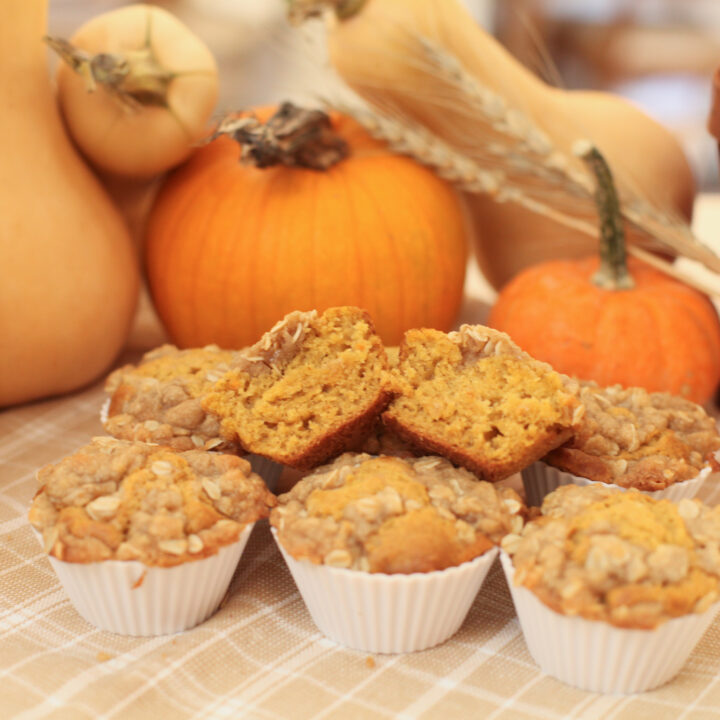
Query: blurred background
x,y
661,54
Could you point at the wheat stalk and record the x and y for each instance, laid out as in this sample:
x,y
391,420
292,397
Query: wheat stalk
x,y
446,162
511,158
428,149
529,149
534,155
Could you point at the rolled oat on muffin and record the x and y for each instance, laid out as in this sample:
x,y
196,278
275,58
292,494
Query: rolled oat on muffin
x,y
158,400
474,397
634,438
389,553
311,388
145,540
613,588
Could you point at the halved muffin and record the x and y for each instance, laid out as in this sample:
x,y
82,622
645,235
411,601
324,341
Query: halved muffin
x,y
311,388
475,398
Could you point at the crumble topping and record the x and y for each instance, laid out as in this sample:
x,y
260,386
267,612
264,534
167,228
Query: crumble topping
x,y
122,500
394,515
619,556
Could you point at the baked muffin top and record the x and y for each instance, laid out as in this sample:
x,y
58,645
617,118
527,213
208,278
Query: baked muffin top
x,y
475,397
122,500
158,400
634,438
393,515
619,556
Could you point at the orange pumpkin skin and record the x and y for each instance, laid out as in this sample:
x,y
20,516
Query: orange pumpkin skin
x,y
661,335
232,248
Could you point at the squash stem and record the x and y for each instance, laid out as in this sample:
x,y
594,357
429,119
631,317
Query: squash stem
x,y
301,10
613,272
293,136
134,78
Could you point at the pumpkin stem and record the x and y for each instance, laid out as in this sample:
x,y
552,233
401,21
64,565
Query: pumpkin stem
x,y
301,10
612,273
133,78
293,136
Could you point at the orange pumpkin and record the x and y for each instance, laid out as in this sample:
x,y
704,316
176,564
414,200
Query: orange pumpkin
x,y
658,334
231,248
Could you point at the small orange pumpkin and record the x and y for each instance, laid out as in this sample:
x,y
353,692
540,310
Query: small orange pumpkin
x,y
613,321
231,248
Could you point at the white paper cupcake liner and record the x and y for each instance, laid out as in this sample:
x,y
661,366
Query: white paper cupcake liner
x,y
130,598
599,657
539,479
380,613
268,470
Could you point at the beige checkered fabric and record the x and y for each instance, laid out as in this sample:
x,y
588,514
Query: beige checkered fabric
x,y
260,656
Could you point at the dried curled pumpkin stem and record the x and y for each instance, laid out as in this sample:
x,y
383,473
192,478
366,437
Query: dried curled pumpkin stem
x,y
293,136
301,10
612,273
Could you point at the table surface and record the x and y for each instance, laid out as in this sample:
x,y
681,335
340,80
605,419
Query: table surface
x,y
260,656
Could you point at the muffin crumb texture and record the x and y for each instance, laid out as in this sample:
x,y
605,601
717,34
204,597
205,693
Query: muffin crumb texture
x,y
158,400
393,515
634,438
474,397
121,500
619,556
310,389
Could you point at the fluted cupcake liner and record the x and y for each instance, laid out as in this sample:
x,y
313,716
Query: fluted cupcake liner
x,y
599,657
539,479
381,613
268,470
130,598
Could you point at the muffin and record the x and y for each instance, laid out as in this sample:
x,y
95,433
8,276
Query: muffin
x,y
145,539
158,400
605,581
475,398
389,553
632,438
312,388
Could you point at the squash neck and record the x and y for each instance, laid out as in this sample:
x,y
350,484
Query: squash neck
x,y
22,26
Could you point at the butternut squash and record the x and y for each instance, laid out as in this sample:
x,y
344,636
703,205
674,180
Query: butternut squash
x,y
376,46
136,90
69,273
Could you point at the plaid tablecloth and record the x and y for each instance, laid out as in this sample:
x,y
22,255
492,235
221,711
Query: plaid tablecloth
x,y
260,656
